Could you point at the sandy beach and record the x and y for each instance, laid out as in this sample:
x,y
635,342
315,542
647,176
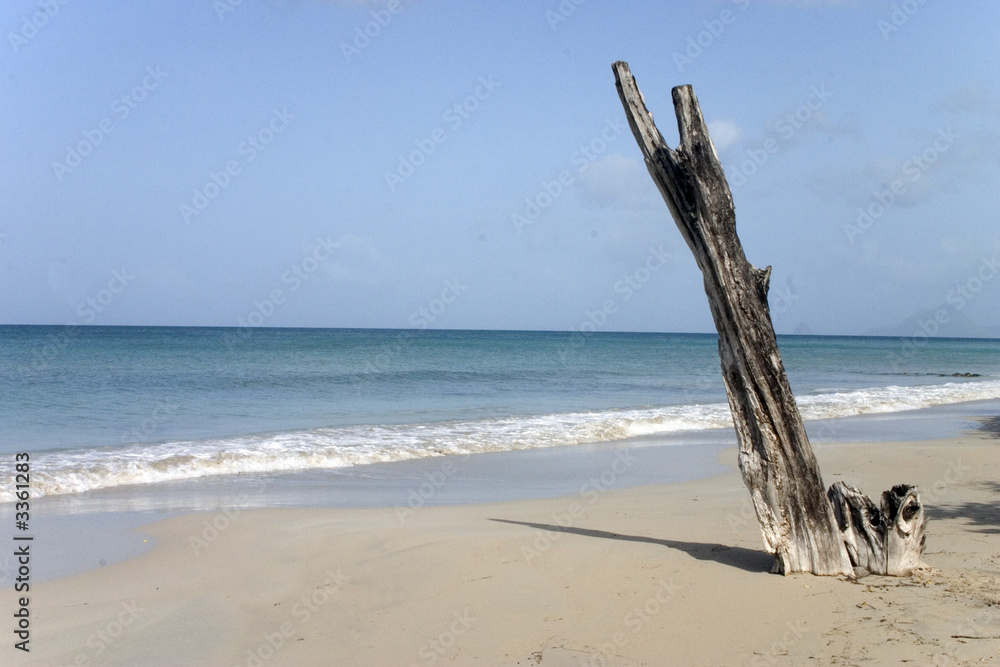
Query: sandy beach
x,y
671,574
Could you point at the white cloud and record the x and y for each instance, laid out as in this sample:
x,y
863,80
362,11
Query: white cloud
x,y
977,98
724,133
358,261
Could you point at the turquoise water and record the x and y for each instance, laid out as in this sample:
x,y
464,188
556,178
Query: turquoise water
x,y
101,407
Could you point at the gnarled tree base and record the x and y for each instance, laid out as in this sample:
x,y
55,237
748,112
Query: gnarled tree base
x,y
880,540
887,540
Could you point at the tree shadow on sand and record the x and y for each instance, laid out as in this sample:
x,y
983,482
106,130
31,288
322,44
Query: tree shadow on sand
x,y
986,516
739,557
991,425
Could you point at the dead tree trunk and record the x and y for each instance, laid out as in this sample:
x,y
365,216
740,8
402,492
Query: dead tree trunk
x,y
797,519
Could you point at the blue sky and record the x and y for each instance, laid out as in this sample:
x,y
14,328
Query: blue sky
x,y
466,164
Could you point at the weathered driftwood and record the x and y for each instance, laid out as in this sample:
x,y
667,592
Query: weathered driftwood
x,y
797,520
886,540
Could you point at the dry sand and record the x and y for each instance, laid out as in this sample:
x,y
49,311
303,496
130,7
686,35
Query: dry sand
x,y
656,575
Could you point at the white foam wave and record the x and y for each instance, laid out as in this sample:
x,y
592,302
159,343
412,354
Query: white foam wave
x,y
83,470
894,398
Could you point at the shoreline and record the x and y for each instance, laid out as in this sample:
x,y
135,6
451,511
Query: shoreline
x,y
117,514
368,482
632,576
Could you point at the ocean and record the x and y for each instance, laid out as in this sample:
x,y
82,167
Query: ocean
x,y
105,407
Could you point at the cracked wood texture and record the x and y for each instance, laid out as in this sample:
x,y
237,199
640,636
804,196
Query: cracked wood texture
x,y
880,540
776,460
